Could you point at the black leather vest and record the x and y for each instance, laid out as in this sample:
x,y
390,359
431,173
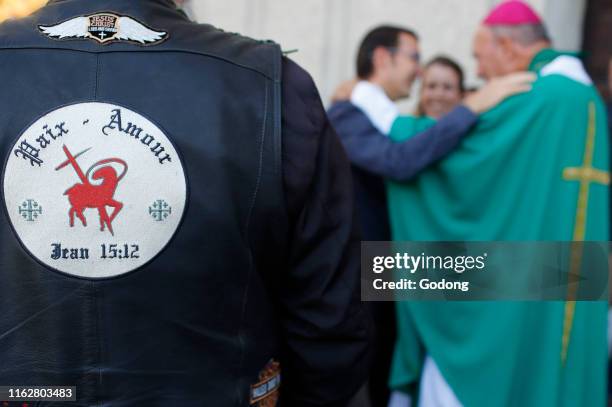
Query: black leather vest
x,y
195,324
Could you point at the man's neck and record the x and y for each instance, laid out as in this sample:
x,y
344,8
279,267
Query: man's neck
x,y
378,87
380,83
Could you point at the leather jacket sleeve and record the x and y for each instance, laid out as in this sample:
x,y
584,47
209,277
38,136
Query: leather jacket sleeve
x,y
326,327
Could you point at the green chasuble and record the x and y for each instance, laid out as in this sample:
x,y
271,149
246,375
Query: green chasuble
x,y
511,179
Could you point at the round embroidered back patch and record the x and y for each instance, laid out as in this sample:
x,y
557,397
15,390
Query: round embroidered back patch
x,y
94,190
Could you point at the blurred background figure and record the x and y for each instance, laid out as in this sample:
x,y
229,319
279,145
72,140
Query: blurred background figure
x,y
478,194
387,65
442,87
18,8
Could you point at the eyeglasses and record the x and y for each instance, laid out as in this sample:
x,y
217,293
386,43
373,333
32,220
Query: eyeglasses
x,y
415,56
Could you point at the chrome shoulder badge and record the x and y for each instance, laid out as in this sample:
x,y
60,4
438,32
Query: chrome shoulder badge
x,y
105,28
94,190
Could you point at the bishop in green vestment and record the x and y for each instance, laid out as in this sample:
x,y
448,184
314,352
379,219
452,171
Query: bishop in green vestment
x,y
518,176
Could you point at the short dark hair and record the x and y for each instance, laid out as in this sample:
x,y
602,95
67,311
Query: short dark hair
x,y
451,64
383,36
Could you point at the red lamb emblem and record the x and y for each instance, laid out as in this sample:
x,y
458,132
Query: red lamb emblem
x,y
97,193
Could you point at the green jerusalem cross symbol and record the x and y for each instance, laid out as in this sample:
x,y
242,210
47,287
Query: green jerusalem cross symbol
x,y
160,210
30,209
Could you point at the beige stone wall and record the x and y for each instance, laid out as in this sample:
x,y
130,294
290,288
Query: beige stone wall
x,y
327,32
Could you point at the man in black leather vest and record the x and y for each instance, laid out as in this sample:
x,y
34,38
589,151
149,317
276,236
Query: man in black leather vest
x,y
177,225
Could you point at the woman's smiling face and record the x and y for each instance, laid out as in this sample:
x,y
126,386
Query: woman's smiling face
x,y
441,90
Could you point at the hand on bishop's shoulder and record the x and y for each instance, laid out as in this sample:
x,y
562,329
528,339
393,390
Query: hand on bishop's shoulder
x,y
344,90
498,89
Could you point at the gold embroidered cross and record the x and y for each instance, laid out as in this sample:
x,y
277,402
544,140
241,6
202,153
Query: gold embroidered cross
x,y
585,175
